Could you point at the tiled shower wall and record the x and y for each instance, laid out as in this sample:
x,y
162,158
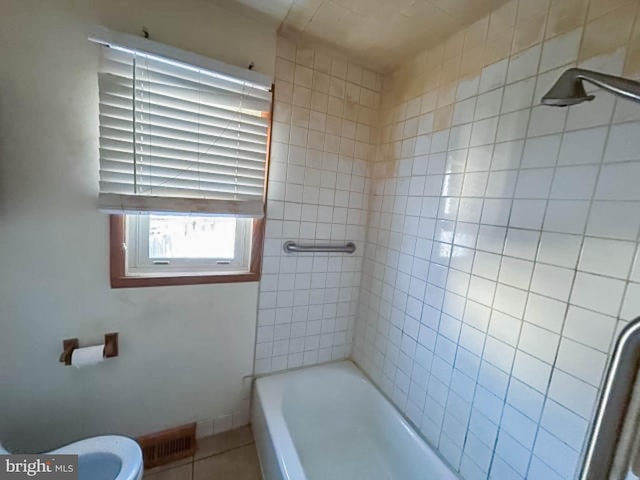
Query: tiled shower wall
x,y
502,245
324,112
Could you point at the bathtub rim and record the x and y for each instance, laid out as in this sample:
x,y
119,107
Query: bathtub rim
x,y
295,471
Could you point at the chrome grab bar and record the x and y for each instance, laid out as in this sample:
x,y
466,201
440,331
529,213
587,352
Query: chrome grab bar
x,y
293,247
612,409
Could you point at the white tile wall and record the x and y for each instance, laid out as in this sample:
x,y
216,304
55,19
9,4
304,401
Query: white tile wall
x,y
499,264
324,115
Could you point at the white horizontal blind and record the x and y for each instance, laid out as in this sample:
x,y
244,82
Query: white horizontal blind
x,y
176,138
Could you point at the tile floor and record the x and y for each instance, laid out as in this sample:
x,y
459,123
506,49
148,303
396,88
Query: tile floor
x,y
227,456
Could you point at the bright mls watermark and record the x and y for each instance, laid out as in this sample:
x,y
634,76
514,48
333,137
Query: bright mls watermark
x,y
49,467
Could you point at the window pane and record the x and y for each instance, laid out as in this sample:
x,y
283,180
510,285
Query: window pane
x,y
172,236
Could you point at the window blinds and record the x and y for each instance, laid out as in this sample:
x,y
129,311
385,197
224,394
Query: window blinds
x,y
177,138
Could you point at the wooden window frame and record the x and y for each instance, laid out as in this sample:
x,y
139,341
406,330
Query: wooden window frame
x,y
117,246
120,279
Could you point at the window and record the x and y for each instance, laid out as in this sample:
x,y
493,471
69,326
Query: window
x,y
182,245
184,145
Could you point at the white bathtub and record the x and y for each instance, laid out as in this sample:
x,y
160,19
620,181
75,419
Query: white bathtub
x,y
330,423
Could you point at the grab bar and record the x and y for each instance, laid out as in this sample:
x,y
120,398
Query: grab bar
x,y
614,400
293,247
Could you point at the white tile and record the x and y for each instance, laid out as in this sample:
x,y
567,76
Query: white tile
x,y
545,312
489,104
591,328
479,453
527,214
538,470
560,50
516,272
552,281
525,399
546,120
559,249
510,300
635,272
505,328
591,114
496,211
624,143
479,159
583,362
541,151
459,137
493,75
486,265
597,293
625,111
574,394
582,146
631,304
524,64
521,243
619,220
463,111
518,95
470,210
539,342
512,126
491,239
499,354
512,453
607,257
481,290
483,132
501,184
466,235
574,183
519,426
507,155
564,424
531,371
501,469
534,183
618,182
556,454
566,216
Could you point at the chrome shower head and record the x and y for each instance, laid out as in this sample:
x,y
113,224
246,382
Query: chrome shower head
x,y
569,90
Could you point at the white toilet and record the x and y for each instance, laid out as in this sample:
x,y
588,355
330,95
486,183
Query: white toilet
x,y
108,457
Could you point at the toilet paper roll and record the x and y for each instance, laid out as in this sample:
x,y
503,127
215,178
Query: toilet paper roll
x,y
83,357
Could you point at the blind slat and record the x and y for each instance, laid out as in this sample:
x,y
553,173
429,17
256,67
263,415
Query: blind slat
x,y
108,154
230,177
204,169
166,116
187,132
117,140
179,139
120,90
151,140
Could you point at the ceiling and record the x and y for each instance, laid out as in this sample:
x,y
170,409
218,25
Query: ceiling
x,y
382,33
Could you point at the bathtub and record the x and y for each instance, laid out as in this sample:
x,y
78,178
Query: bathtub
x,y
330,423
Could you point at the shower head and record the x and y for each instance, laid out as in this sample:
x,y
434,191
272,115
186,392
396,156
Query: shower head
x,y
569,90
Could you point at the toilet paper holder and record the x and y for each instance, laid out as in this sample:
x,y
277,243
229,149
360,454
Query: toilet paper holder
x,y
70,344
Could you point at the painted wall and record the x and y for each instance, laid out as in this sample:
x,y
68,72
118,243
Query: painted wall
x,y
184,350
325,111
502,249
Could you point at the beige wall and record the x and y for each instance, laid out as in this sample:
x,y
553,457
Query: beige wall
x,y
184,350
